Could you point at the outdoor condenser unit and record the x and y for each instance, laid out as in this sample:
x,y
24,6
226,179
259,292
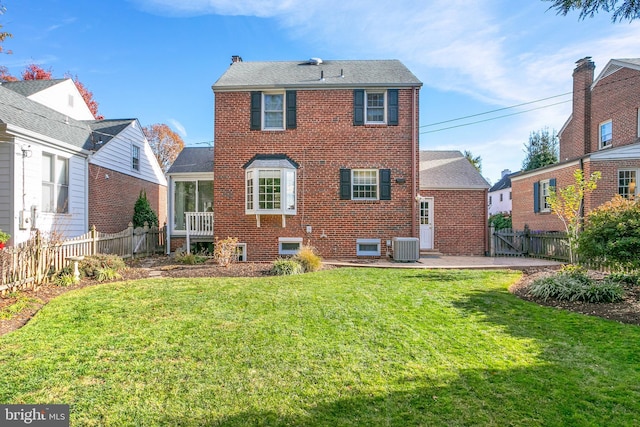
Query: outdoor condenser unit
x,y
406,249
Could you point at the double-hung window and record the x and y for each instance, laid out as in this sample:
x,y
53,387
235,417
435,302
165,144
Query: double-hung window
x,y
541,191
273,111
364,184
627,179
55,183
375,107
606,134
270,185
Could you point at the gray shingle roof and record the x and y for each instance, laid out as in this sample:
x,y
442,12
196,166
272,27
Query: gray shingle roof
x,y
448,169
505,182
193,159
16,109
105,130
29,87
302,74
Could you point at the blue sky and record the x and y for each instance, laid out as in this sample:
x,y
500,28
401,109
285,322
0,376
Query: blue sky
x,y
156,60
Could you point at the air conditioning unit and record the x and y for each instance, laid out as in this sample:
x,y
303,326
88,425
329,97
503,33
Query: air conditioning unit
x,y
406,249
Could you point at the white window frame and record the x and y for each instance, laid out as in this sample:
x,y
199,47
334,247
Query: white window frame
x,y
264,111
241,253
384,107
602,143
544,194
287,194
367,242
354,183
631,188
135,157
289,240
54,185
197,183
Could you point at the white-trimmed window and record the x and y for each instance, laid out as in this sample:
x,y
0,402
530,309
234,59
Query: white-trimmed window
x,y
364,184
368,247
190,196
627,183
289,245
270,187
55,183
605,133
241,252
544,196
135,157
375,107
273,111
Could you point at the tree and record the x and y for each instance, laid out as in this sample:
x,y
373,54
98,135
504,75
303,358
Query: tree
x,y
35,72
567,204
625,9
611,234
165,144
88,97
475,161
142,212
3,34
541,150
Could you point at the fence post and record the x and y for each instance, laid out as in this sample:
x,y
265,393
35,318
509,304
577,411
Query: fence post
x,y
146,238
492,241
94,240
131,242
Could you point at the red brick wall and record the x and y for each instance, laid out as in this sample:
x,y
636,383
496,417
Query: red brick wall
x,y
607,186
616,98
324,142
573,137
111,200
459,221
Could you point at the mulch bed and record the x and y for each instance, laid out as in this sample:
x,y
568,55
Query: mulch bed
x,y
627,311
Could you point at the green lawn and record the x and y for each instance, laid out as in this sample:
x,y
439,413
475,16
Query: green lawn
x,y
340,347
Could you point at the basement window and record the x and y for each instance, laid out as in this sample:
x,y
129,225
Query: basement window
x,y
368,247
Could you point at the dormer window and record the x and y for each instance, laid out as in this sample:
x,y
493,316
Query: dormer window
x,y
606,134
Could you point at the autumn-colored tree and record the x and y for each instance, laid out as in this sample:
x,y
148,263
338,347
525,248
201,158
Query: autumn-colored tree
x,y
3,34
5,76
165,144
567,204
35,72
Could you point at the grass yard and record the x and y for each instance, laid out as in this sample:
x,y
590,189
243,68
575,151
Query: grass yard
x,y
343,347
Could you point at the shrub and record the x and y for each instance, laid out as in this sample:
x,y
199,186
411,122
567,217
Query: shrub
x,y
308,259
190,259
626,278
500,221
575,285
107,273
225,251
286,267
142,212
91,265
64,278
612,235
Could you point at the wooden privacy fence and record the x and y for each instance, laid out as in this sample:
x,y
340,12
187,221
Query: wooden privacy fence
x,y
542,244
34,261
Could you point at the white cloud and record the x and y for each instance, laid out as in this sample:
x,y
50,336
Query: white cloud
x,y
178,127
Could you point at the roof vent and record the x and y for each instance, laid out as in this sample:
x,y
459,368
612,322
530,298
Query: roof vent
x,y
315,61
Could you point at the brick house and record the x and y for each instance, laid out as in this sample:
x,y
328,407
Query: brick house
x,y
62,171
602,134
316,152
452,204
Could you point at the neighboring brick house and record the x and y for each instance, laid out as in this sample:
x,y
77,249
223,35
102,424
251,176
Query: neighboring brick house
x,y
602,134
316,152
61,171
452,204
500,195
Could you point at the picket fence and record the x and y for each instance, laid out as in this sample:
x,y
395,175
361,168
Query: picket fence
x,y
33,262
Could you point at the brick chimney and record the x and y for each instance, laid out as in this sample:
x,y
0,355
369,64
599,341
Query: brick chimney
x,y
236,58
506,172
576,140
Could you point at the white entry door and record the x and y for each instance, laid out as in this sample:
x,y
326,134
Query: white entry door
x,y
426,223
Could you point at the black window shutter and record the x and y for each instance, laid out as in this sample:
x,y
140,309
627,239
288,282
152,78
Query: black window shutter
x,y
345,184
392,107
256,110
291,109
385,184
536,196
358,107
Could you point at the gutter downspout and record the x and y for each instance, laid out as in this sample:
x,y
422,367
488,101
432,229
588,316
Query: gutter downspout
x,y
414,175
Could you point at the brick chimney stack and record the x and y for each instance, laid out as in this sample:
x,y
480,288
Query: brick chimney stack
x,y
577,142
236,58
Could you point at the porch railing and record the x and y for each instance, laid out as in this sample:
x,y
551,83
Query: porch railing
x,y
198,224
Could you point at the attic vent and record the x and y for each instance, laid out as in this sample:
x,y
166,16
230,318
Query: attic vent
x,y
315,61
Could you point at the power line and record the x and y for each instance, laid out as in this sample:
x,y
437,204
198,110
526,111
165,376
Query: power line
x,y
495,111
495,118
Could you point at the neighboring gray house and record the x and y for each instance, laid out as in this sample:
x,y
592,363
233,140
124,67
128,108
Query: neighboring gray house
x,y
453,204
